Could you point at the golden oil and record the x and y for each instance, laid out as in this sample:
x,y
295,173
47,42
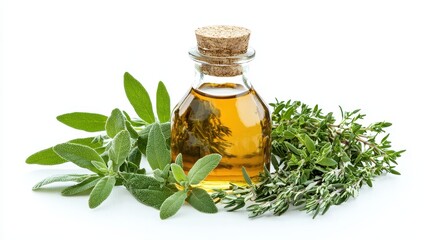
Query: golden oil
x,y
227,119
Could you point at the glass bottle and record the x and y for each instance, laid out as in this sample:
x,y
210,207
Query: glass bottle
x,y
222,113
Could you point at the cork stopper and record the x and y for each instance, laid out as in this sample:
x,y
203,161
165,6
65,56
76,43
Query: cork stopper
x,y
222,42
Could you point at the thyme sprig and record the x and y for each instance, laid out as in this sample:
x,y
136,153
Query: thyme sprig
x,y
318,162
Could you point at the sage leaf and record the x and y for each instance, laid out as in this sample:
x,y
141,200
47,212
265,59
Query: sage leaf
x,y
49,157
135,157
80,155
139,98
45,157
102,167
172,204
157,153
81,187
179,160
120,148
60,178
138,181
115,123
203,167
162,103
201,200
90,122
145,189
101,191
152,197
178,173
131,130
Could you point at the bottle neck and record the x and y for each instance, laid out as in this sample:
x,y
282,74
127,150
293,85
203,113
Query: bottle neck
x,y
207,78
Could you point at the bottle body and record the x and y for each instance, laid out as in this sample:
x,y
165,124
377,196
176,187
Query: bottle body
x,y
225,116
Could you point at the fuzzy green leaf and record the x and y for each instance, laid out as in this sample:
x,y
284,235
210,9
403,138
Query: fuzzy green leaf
x,y
79,155
120,148
90,122
81,187
178,173
115,123
157,153
61,178
101,166
172,204
101,191
49,157
203,167
45,157
201,200
139,98
162,103
179,160
146,190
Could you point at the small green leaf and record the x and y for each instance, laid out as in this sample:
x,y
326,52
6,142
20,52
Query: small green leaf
x,y
288,134
135,157
309,144
138,181
162,103
146,190
201,200
203,167
179,160
246,176
275,162
178,173
100,166
90,122
81,187
393,171
115,123
49,157
131,130
45,157
152,197
172,204
139,98
329,162
101,191
157,153
61,178
292,148
89,142
120,148
79,155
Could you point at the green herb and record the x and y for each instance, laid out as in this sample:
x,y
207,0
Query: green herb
x,y
90,122
114,156
318,163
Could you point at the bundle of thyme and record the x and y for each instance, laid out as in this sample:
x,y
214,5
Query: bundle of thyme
x,y
318,162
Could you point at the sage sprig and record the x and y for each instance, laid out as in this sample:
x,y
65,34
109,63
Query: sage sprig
x,y
114,156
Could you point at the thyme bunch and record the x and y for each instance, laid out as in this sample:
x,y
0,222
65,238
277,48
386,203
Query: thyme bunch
x,y
318,162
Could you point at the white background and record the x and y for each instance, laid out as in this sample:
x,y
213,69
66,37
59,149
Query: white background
x,y
62,56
